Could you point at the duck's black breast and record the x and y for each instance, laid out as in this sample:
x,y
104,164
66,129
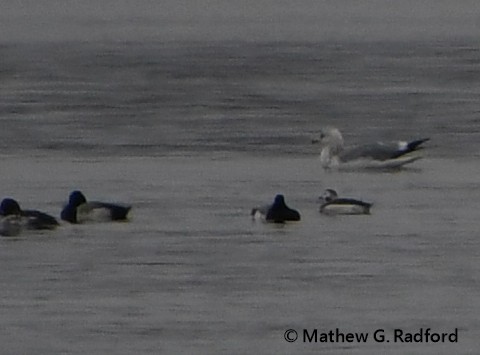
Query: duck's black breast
x,y
69,214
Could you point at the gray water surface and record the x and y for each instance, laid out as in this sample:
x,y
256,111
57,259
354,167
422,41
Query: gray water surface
x,y
192,273
196,133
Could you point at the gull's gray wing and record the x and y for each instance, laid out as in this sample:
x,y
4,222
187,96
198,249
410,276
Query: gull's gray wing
x,y
381,151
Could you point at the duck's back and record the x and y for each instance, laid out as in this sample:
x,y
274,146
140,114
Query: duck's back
x,y
39,220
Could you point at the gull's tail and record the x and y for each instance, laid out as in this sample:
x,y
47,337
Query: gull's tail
x,y
415,145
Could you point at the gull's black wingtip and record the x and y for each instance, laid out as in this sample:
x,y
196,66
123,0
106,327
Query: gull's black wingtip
x,y
413,145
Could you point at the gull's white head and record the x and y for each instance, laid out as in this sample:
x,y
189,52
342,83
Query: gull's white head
x,y
332,137
332,145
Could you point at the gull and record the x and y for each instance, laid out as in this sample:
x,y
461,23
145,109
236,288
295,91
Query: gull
x,y
377,155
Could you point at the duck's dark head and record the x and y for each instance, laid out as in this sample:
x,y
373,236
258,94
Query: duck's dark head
x,y
329,195
279,200
76,198
9,207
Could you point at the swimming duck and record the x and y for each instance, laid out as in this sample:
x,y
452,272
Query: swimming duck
x,y
78,210
376,155
277,212
14,218
332,204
